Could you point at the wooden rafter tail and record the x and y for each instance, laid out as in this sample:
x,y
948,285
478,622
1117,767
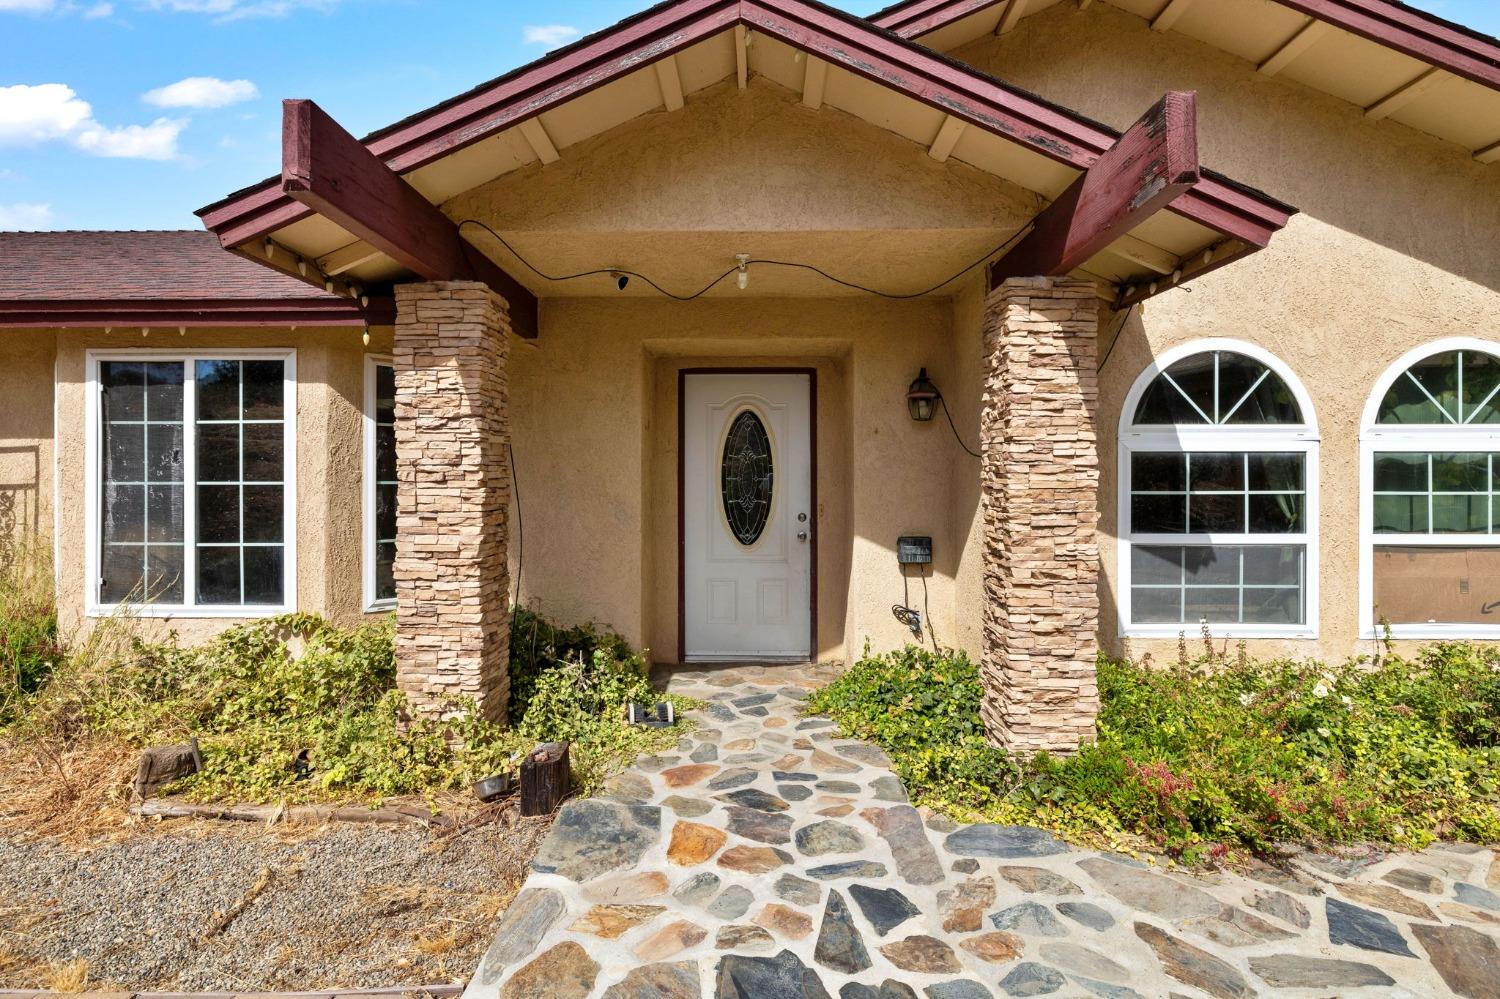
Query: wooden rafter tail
x,y
326,169
1151,165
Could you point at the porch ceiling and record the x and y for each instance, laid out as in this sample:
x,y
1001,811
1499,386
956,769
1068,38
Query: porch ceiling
x,y
1391,60
661,61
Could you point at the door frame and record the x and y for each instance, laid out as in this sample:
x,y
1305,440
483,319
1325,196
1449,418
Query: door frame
x,y
812,455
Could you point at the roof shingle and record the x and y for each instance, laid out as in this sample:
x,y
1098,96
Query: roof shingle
x,y
95,266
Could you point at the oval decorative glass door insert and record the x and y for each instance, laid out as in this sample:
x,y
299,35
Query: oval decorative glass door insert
x,y
746,477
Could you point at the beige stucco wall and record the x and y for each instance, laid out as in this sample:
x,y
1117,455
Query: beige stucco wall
x,y
330,389
1395,246
26,506
594,423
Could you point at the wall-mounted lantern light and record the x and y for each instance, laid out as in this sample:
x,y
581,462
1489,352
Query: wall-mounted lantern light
x,y
921,398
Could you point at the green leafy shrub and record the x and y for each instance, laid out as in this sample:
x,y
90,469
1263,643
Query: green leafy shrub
x,y
29,644
1211,755
293,708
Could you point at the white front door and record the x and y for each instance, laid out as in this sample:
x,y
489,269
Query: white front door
x,y
747,517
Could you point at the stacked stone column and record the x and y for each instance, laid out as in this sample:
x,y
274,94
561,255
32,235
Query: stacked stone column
x,y
452,464
1039,495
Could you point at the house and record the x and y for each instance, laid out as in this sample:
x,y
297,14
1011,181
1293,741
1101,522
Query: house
x,y
1057,325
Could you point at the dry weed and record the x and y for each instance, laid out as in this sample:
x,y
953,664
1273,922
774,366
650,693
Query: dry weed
x,y
67,977
74,793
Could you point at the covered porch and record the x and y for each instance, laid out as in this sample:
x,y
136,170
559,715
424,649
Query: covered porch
x,y
761,190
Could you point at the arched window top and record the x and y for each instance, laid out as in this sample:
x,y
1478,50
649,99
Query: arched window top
x,y
1218,388
1451,388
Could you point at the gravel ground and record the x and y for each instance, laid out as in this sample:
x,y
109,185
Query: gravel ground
x,y
345,907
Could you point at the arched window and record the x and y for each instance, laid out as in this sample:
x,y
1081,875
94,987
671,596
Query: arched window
x,y
1430,515
1218,496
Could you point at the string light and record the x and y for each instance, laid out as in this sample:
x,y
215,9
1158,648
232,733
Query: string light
x,y
366,336
328,285
301,266
270,248
182,331
743,277
145,330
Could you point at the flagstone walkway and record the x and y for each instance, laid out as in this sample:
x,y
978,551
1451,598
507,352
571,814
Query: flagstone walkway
x,y
768,858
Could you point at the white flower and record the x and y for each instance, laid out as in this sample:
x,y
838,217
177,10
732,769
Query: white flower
x,y
1325,733
1348,701
1245,699
1330,679
1320,691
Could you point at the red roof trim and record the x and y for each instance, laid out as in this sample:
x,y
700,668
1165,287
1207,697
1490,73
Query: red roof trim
x,y
1436,41
843,39
197,312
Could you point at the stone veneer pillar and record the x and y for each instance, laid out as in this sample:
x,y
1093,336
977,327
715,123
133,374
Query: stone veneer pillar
x,y
1039,495
452,535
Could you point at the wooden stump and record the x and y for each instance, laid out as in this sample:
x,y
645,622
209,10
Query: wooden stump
x,y
546,777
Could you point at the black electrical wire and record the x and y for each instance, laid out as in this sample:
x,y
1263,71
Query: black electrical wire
x,y
520,533
954,428
1119,331
618,271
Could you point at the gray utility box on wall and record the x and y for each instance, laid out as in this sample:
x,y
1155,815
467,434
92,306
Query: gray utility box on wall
x,y
914,549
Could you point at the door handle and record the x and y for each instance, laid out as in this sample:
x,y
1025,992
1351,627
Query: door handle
x,y
801,535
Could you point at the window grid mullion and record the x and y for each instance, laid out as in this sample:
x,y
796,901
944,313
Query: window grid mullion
x,y
190,481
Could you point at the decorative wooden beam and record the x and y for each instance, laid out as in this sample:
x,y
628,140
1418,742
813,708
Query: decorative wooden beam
x,y
670,82
814,78
1010,16
1138,251
947,137
1489,154
346,258
1306,37
1154,162
329,171
540,142
1209,259
1170,14
741,55
1404,95
168,313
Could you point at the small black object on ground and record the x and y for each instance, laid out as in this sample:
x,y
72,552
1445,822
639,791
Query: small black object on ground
x,y
662,716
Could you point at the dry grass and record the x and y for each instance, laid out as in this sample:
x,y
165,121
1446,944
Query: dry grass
x,y
73,792
68,977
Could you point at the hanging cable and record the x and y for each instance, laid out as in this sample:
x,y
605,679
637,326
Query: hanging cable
x,y
953,427
616,272
1118,331
520,533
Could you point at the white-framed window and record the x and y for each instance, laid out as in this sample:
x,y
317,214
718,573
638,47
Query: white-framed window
x,y
190,505
1218,497
1430,495
380,485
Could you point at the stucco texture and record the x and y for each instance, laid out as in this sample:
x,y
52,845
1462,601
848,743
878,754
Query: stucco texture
x,y
25,439
1394,248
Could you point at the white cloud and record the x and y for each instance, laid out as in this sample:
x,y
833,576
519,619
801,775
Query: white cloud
x,y
201,92
236,10
40,113
50,112
156,141
97,11
544,34
25,215
27,6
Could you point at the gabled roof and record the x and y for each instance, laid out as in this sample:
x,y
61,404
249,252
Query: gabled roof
x,y
654,59
1390,59
165,278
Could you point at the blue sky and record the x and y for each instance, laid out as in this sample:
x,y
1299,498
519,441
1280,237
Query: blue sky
x,y
130,114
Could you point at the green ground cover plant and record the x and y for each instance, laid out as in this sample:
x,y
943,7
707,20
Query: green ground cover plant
x,y
295,709
1218,754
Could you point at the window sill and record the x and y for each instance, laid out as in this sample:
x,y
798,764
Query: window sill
x,y
247,612
380,607
1430,632
1216,632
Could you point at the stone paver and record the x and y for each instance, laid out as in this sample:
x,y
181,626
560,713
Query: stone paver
x,y
768,857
